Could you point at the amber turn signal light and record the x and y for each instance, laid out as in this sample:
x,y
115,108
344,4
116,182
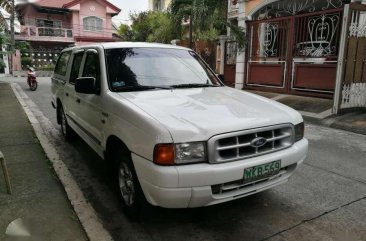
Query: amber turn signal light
x,y
164,154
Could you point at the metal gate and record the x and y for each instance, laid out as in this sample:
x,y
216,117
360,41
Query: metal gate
x,y
294,54
267,63
351,77
231,50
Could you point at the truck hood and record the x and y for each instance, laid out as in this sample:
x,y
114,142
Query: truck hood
x,y
197,114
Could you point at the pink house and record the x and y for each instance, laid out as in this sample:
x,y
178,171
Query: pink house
x,y
51,25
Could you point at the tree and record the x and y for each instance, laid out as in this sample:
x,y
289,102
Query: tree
x,y
9,6
162,27
207,18
203,14
125,32
4,40
140,27
182,10
149,26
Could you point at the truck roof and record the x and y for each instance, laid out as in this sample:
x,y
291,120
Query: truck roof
x,y
113,45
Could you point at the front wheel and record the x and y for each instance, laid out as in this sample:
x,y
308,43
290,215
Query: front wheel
x,y
129,187
33,85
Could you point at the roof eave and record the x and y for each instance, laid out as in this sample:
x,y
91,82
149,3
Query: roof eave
x,y
74,2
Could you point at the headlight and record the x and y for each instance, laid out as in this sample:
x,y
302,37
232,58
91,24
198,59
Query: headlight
x,y
299,131
190,152
184,153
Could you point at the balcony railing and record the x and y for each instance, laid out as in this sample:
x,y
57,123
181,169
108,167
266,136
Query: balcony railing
x,y
49,33
34,33
54,32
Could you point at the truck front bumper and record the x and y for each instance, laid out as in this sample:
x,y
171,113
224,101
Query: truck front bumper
x,y
198,185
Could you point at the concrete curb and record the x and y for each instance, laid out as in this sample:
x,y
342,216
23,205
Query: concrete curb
x,y
89,220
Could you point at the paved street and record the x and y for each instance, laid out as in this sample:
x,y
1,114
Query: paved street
x,y
324,200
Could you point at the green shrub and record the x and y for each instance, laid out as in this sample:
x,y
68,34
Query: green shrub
x,y
48,67
26,61
2,64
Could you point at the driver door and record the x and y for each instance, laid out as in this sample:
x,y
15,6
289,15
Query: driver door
x,y
90,105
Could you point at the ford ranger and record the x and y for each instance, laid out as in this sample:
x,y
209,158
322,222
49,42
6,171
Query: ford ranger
x,y
177,137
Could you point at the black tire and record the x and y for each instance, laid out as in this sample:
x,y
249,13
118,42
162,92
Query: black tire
x,y
33,86
129,189
67,132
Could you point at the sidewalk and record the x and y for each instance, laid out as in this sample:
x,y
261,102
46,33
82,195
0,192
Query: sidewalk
x,y
319,111
38,197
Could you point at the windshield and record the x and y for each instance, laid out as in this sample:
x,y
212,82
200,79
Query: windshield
x,y
149,68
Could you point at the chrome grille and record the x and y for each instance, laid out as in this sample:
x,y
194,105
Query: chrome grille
x,y
239,145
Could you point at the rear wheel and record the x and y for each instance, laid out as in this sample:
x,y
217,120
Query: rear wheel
x,y
66,130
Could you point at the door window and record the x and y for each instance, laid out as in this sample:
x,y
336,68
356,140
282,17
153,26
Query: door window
x,y
92,67
61,66
76,64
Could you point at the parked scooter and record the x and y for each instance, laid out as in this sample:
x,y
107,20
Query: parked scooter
x,y
32,79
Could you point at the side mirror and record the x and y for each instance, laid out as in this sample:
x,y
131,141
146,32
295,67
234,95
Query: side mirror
x,y
221,77
86,85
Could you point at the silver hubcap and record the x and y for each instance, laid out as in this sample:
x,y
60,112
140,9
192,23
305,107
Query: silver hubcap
x,y
126,185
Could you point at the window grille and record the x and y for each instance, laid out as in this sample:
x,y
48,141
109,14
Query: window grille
x,y
93,24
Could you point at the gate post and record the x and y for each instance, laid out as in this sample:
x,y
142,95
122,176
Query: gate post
x,y
340,70
222,39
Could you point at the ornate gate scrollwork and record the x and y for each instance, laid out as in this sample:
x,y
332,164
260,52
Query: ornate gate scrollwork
x,y
286,8
322,31
295,53
268,41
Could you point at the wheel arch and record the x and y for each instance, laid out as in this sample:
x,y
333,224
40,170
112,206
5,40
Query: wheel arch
x,y
58,105
114,143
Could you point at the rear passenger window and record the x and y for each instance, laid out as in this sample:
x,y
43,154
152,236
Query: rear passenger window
x,y
61,66
76,64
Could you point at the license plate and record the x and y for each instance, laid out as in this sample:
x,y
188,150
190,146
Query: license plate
x,y
261,171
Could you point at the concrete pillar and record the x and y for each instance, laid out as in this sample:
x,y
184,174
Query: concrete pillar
x,y
16,61
240,58
6,61
222,39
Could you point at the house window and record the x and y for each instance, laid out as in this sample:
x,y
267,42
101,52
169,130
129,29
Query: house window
x,y
93,24
158,5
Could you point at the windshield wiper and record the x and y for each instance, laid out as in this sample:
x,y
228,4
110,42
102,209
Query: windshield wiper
x,y
193,85
140,87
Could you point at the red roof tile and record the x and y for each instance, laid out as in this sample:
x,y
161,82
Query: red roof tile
x,y
69,3
52,3
72,3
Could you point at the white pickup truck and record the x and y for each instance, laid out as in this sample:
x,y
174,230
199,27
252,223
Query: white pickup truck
x,y
175,134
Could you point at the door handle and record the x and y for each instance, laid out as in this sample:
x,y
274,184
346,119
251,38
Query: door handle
x,y
78,100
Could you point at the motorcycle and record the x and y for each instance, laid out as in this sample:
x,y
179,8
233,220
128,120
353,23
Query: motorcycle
x,y
32,79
